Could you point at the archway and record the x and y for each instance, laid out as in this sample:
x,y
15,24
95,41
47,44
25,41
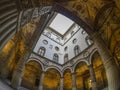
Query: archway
x,y
67,82
99,70
31,75
82,76
51,79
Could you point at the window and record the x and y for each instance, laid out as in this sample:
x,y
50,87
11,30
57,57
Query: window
x,y
55,57
48,34
83,32
66,58
72,33
41,51
65,49
74,41
88,41
58,39
45,42
51,46
57,48
76,50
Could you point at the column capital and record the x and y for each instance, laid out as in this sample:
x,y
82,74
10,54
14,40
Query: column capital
x,y
73,73
90,65
43,71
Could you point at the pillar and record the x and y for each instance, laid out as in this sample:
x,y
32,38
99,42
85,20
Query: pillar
x,y
17,74
93,78
61,83
29,46
112,71
41,80
5,68
73,81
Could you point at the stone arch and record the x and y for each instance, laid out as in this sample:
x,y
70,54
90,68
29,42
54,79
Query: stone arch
x,y
90,57
31,74
67,75
56,68
66,12
61,9
82,60
97,64
67,68
51,78
36,60
81,71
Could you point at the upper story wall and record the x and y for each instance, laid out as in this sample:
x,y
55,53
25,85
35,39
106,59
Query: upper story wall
x,y
80,37
50,46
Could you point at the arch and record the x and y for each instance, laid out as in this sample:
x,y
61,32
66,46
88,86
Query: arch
x,y
58,8
56,68
92,53
67,75
78,61
66,69
101,13
34,59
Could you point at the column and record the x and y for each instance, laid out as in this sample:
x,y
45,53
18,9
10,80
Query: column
x,y
61,83
5,68
112,71
41,80
73,81
93,78
17,74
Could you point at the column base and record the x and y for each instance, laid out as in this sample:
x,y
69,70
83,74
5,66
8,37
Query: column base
x,y
94,86
4,72
40,87
16,80
73,88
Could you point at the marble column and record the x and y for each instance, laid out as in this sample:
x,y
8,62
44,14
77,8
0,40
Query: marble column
x,y
41,80
61,83
93,78
112,70
73,81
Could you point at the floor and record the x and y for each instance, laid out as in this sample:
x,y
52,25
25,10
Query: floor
x,y
4,86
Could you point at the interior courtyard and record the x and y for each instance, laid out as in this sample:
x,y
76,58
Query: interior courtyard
x,y
59,44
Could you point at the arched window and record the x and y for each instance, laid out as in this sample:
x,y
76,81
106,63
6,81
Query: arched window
x,y
41,51
55,57
66,58
88,41
76,50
